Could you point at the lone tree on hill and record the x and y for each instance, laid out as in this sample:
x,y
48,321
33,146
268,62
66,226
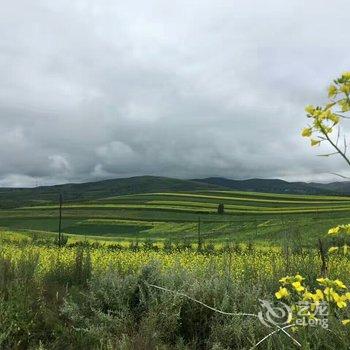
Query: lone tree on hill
x,y
221,208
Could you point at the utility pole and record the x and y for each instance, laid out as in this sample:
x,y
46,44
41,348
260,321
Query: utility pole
x,y
199,234
60,221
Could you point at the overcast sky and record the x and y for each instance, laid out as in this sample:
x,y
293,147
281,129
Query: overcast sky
x,y
104,89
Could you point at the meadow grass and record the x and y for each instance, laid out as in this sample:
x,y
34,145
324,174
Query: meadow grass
x,y
94,292
96,297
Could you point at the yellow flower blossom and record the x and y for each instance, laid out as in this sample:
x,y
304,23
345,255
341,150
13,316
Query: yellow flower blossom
x,y
333,249
315,142
299,278
345,88
328,293
310,109
332,91
339,300
282,293
284,280
340,284
334,230
298,287
334,118
332,291
344,105
307,296
306,132
318,295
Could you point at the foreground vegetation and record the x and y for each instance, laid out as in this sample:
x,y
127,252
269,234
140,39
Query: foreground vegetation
x,y
100,297
102,288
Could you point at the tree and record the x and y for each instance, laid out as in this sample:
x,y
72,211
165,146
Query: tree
x,y
221,208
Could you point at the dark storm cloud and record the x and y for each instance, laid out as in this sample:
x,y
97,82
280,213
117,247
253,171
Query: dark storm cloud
x,y
103,89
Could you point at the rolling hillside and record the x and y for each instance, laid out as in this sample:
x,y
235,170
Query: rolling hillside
x,y
175,216
16,197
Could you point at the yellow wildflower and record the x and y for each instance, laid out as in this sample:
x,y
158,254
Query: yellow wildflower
x,y
306,132
334,230
344,105
334,118
328,293
298,287
345,88
308,296
310,109
340,284
332,249
340,300
332,91
299,278
318,295
282,293
284,280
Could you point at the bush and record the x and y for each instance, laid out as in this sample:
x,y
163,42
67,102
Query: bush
x,y
221,209
61,242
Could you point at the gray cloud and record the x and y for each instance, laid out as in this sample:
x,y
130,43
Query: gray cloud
x,y
105,89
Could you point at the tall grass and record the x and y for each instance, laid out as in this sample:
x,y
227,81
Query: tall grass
x,y
70,298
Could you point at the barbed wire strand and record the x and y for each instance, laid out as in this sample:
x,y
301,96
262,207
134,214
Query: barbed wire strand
x,y
283,329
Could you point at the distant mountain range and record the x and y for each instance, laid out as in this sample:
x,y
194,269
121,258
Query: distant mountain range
x,y
15,197
280,186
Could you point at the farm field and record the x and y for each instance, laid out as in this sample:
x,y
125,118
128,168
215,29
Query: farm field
x,y
108,297
183,216
158,270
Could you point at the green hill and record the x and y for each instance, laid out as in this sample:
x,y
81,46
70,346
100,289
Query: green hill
x,y
261,217
90,191
16,197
